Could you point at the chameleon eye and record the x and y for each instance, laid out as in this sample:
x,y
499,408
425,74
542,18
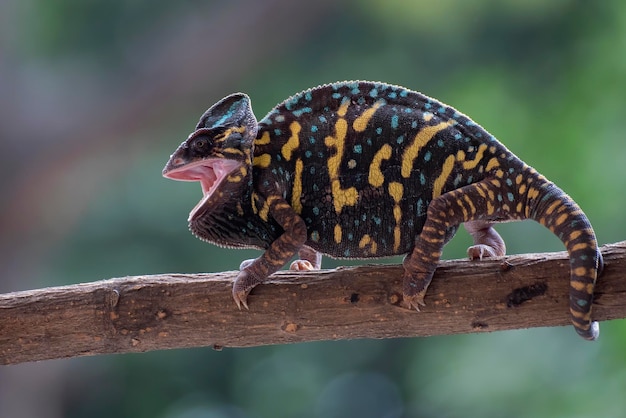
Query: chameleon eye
x,y
200,144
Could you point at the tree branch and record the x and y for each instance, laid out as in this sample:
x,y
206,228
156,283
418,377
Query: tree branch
x,y
143,313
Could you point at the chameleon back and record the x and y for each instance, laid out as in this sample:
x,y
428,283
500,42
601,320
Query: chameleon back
x,y
360,163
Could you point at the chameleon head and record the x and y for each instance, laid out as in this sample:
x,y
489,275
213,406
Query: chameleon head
x,y
220,148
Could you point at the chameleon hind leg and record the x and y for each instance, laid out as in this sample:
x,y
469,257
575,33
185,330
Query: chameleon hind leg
x,y
469,205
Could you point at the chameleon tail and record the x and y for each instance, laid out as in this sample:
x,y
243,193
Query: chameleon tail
x,y
553,208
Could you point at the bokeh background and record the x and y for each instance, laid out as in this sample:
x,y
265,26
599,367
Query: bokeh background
x,y
95,95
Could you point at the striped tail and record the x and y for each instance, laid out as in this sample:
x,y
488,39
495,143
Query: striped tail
x,y
553,208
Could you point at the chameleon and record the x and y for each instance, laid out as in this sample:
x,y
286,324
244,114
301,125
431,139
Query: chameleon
x,y
361,169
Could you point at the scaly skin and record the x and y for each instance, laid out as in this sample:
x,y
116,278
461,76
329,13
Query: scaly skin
x,y
363,170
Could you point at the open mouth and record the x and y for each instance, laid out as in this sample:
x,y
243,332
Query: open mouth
x,y
210,173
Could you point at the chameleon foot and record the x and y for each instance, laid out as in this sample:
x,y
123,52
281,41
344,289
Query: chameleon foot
x,y
301,265
413,302
244,283
480,251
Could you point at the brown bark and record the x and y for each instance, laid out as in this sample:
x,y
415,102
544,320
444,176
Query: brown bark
x,y
143,313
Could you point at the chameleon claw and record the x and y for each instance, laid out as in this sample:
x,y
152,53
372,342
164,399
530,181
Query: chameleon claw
x,y
413,302
241,298
480,251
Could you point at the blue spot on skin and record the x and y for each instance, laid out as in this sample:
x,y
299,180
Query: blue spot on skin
x,y
308,96
440,143
355,91
470,123
316,211
422,179
407,110
478,135
364,217
414,124
356,222
404,93
394,121
274,171
320,154
373,93
392,95
509,182
420,208
312,139
400,139
323,119
299,112
499,198
458,135
427,105
441,109
377,220
511,170
581,302
315,187
315,236
350,236
358,148
469,179
379,130
313,128
336,95
278,132
280,118
583,256
250,226
369,141
312,169
279,158
308,153
510,196
427,156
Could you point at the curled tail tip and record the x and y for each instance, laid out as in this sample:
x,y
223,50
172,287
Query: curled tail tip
x,y
590,334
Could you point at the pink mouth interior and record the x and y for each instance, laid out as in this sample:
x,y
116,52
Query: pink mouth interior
x,y
210,173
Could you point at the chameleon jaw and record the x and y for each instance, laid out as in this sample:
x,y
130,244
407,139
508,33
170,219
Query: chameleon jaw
x,y
209,172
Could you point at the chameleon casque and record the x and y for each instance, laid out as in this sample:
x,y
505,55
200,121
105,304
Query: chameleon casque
x,y
362,170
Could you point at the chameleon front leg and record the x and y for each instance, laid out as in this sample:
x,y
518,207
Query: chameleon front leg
x,y
276,256
465,205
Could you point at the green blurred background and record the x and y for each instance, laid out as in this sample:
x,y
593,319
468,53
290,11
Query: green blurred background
x,y
95,95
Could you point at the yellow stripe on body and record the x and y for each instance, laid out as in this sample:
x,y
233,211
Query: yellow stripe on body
x,y
296,192
422,138
360,123
293,142
341,197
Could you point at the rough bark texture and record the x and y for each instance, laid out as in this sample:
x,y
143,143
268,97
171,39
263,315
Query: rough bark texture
x,y
142,313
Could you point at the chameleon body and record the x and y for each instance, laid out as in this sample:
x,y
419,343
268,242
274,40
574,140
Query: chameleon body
x,y
362,170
